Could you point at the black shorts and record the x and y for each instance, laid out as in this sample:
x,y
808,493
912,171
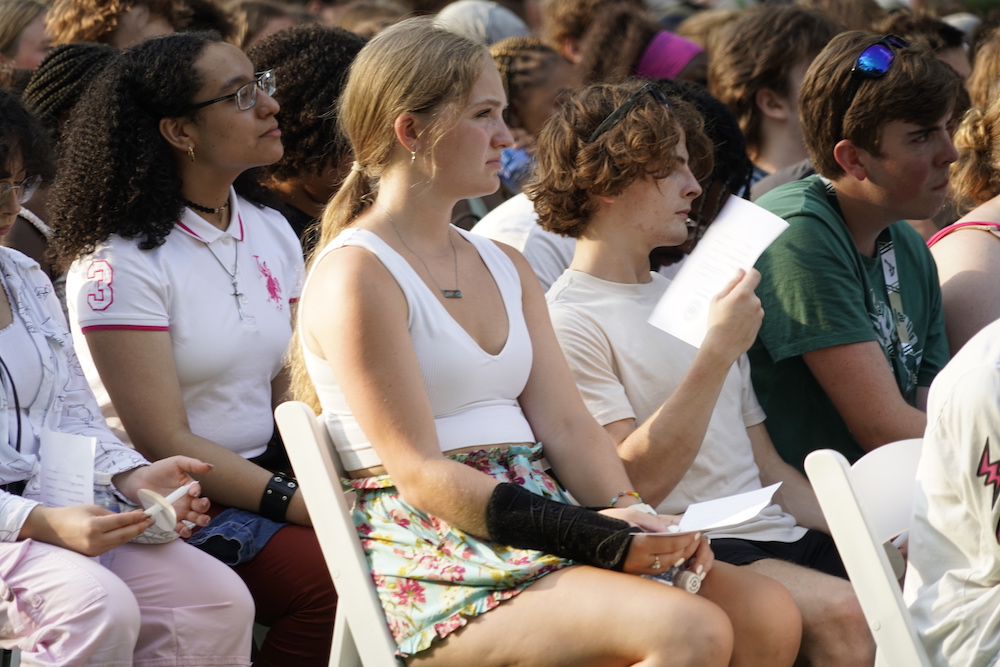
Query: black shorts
x,y
815,550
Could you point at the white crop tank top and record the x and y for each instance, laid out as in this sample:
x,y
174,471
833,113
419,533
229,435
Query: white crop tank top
x,y
473,393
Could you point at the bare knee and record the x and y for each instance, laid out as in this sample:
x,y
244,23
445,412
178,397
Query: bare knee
x,y
702,636
840,634
768,627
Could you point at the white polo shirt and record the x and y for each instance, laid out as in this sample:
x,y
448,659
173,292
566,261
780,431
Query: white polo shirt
x,y
225,362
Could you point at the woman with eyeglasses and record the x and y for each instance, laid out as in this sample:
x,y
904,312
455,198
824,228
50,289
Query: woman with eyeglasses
x,y
431,355
183,286
152,600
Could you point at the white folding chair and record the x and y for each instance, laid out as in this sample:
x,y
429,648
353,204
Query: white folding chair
x,y
360,636
866,505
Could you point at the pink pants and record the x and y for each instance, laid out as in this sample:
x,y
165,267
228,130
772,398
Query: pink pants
x,y
159,606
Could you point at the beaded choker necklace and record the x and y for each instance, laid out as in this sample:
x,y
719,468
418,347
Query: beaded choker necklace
x,y
206,209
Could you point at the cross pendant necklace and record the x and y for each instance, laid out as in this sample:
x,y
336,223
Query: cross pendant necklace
x,y
233,277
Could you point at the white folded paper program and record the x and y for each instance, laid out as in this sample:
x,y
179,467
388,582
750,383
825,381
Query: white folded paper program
x,y
734,241
723,512
67,476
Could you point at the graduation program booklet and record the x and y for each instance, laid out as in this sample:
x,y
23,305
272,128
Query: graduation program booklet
x,y
734,241
723,512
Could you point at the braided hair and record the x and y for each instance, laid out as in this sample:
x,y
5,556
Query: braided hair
x,y
523,63
61,78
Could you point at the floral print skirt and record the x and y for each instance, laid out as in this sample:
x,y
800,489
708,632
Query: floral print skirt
x,y
431,577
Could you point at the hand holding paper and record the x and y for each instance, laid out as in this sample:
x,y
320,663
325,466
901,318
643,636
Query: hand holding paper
x,y
723,512
734,241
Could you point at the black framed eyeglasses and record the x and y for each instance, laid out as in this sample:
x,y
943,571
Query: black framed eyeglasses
x,y
23,191
872,63
615,116
246,95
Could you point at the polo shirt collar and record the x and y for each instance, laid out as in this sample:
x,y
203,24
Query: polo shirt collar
x,y
194,225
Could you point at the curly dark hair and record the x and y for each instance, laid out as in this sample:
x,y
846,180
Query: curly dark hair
x,y
117,173
22,137
310,63
570,168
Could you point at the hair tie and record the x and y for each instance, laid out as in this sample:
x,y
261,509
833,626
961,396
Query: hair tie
x,y
358,167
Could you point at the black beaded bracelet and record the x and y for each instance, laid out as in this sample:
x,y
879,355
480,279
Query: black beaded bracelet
x,y
277,496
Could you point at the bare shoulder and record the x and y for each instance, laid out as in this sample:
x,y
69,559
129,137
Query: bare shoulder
x,y
348,269
349,281
966,249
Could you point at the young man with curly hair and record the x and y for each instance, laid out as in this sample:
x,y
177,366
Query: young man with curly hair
x,y
685,421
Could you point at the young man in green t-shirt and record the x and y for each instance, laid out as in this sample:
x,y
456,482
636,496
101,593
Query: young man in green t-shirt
x,y
853,330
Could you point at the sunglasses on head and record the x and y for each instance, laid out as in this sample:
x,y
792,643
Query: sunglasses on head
x,y
615,116
872,63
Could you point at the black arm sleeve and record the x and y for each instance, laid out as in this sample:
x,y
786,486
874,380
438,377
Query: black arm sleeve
x,y
519,518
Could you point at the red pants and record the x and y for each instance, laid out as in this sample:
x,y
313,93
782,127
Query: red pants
x,y
295,598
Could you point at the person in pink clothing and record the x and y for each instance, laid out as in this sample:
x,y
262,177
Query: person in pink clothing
x,y
611,39
967,253
156,603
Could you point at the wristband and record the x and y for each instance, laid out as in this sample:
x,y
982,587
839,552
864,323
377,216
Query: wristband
x,y
519,518
277,496
622,494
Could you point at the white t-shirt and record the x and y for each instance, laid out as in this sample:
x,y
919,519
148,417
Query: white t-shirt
x,y
225,362
515,223
626,368
953,579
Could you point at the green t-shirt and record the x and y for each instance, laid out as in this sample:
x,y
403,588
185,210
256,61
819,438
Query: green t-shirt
x,y
819,291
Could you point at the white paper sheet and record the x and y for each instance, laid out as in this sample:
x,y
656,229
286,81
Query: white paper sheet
x,y
67,469
724,512
733,241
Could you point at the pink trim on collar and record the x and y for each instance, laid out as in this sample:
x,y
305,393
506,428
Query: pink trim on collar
x,y
239,219
190,231
665,56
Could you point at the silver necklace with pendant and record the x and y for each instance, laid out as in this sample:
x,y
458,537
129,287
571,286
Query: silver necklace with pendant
x,y
233,276
448,293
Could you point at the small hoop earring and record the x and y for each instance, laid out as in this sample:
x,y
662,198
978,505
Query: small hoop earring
x,y
191,152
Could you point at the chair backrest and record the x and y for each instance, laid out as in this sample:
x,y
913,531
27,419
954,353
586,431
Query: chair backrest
x,y
884,480
361,636
864,506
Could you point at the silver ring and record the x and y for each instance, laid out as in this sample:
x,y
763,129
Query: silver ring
x,y
656,562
